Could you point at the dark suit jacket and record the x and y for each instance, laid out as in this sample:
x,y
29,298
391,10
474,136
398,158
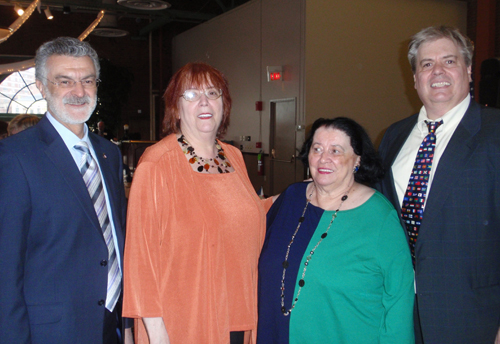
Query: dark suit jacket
x,y
458,248
51,244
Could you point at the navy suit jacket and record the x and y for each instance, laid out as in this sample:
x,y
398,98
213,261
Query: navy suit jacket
x,y
52,250
457,268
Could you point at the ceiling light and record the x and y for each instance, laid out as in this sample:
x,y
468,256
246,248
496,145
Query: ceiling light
x,y
48,14
148,5
19,10
108,27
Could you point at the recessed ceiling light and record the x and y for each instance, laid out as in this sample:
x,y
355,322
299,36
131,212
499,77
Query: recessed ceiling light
x,y
148,5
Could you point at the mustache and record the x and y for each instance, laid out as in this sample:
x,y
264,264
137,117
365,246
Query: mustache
x,y
75,100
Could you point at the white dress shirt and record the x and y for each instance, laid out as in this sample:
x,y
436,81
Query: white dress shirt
x,y
403,165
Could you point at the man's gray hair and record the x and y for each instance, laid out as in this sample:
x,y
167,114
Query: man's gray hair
x,y
434,33
66,46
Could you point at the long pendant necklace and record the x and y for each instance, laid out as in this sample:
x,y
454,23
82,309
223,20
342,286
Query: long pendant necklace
x,y
308,258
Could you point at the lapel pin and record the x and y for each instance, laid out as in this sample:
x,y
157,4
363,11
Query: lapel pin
x,y
104,156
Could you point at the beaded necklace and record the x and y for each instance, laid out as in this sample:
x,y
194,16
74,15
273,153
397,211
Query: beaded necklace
x,y
219,164
308,258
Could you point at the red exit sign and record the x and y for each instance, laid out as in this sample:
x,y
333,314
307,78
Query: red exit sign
x,y
274,73
275,76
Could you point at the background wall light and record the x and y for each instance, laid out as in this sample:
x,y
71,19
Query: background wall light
x,y
48,14
66,10
19,10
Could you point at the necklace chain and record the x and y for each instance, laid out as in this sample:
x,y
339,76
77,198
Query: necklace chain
x,y
308,258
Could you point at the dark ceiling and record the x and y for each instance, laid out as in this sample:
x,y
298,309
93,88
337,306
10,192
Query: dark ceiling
x,y
187,13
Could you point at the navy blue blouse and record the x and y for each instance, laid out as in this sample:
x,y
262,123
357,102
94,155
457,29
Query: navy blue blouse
x,y
282,221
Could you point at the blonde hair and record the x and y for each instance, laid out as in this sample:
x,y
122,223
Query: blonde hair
x,y
20,123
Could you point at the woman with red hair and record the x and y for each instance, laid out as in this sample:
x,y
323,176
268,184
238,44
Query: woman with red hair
x,y
195,224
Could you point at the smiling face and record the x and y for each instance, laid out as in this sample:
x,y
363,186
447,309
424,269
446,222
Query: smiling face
x,y
70,106
441,77
200,119
332,159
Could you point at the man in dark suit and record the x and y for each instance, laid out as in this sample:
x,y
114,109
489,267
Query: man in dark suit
x,y
62,212
456,248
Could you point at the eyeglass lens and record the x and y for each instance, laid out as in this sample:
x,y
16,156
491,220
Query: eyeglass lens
x,y
194,94
86,83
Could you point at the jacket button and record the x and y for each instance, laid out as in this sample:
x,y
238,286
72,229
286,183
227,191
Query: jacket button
x,y
104,262
101,302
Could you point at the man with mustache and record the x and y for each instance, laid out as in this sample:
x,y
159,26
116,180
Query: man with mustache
x,y
443,176
62,213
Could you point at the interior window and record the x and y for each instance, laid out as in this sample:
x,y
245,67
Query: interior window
x,y
19,95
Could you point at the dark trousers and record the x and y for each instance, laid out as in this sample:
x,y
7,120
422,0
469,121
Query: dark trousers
x,y
112,331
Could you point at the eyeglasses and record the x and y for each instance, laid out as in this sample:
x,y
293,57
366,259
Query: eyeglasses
x,y
69,83
193,95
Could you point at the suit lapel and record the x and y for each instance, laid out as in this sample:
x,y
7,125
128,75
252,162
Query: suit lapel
x,y
57,152
400,139
457,153
392,152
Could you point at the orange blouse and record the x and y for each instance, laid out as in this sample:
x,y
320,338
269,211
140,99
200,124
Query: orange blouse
x,y
192,247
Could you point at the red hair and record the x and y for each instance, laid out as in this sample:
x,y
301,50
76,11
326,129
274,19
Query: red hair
x,y
198,75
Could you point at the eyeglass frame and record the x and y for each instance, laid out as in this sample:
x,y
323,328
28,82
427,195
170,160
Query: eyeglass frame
x,y
58,84
201,92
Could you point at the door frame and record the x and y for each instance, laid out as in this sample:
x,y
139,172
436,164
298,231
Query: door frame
x,y
272,130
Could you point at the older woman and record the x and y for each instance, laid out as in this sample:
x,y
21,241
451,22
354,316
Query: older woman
x,y
195,224
335,267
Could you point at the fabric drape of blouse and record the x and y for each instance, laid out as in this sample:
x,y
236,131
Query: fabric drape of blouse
x,y
192,247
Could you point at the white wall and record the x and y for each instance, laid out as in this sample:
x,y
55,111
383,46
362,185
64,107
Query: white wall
x,y
242,43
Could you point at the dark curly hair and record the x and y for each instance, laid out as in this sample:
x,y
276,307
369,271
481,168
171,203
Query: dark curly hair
x,y
370,168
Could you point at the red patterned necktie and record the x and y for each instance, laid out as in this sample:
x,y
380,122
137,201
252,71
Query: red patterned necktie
x,y
414,199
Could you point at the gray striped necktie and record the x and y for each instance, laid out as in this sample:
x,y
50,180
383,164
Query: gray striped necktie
x,y
92,179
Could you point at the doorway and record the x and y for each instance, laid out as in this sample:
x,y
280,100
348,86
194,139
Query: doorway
x,y
284,167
